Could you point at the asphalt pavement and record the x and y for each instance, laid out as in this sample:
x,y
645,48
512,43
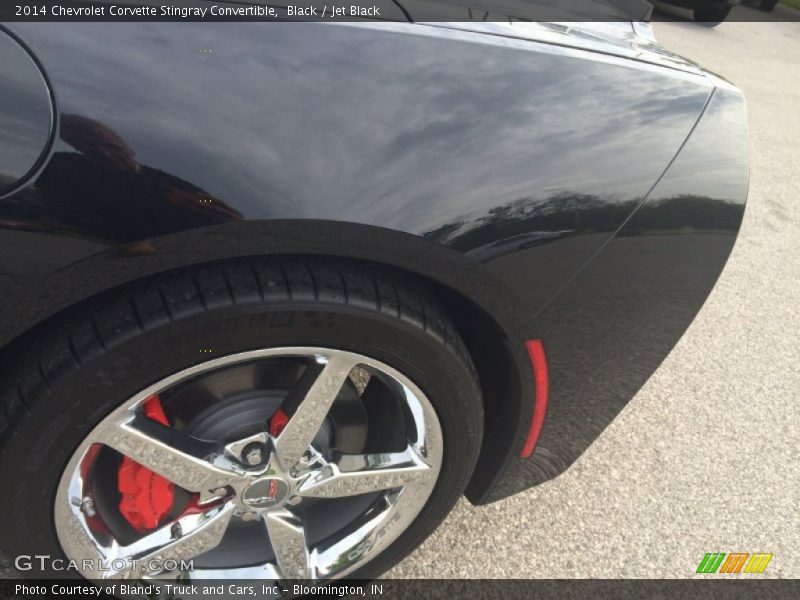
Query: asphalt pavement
x,y
724,473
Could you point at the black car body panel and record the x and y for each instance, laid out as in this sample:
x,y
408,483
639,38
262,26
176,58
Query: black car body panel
x,y
551,192
26,114
609,329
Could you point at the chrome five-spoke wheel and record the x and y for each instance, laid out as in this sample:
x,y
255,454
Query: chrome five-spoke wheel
x,y
257,419
277,463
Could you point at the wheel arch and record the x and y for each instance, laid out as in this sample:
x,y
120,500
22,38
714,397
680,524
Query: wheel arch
x,y
482,308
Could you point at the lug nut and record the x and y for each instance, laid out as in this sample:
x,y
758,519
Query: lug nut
x,y
87,506
253,455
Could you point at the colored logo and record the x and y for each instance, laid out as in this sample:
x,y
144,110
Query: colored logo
x,y
265,493
734,562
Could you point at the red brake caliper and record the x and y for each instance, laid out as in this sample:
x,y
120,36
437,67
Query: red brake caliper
x,y
277,422
146,497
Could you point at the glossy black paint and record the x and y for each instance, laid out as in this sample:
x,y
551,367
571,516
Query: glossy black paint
x,y
26,114
493,168
615,322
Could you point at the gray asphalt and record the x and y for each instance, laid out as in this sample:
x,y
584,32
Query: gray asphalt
x,y
725,473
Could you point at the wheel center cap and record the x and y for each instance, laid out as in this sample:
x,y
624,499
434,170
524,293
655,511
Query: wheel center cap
x,y
265,493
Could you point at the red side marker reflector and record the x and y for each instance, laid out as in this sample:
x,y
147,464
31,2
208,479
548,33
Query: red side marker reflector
x,y
541,378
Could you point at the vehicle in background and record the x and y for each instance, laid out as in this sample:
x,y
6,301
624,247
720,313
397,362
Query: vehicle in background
x,y
710,12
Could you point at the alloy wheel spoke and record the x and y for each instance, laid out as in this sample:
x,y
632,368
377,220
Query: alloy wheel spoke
x,y
353,474
183,460
181,540
288,539
304,424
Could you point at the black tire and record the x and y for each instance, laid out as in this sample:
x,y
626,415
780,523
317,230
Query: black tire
x,y
712,17
768,5
75,373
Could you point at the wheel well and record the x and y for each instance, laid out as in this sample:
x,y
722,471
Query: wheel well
x,y
487,344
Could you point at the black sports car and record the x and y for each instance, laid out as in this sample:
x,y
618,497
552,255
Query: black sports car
x,y
273,296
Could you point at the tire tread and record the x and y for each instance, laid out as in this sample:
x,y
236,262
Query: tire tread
x,y
149,304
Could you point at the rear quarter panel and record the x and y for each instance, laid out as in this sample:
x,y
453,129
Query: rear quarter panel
x,y
610,328
176,142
